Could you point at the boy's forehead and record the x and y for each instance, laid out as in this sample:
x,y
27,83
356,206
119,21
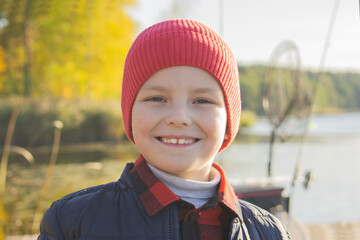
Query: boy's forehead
x,y
205,80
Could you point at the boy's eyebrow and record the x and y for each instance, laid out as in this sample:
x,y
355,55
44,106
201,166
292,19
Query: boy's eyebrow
x,y
207,90
153,87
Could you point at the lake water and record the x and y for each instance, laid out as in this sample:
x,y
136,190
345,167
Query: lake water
x,y
332,152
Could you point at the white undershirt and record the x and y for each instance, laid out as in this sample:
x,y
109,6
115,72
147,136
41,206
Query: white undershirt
x,y
195,192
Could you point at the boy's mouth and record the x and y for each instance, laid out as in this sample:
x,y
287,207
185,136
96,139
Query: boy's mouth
x,y
180,141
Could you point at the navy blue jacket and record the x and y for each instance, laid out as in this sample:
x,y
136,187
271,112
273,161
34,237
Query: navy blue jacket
x,y
114,211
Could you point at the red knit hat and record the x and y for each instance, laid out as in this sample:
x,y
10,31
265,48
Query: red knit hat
x,y
181,42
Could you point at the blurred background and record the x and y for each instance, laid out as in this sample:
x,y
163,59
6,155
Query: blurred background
x,y
61,65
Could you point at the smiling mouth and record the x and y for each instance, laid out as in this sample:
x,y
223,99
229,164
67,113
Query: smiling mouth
x,y
179,141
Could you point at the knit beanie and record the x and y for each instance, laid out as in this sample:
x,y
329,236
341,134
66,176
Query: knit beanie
x,y
181,42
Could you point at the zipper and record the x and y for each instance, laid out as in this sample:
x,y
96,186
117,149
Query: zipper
x,y
169,222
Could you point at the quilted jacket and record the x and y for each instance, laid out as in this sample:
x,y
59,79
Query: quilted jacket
x,y
114,211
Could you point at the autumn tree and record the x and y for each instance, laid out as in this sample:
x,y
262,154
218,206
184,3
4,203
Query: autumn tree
x,y
2,61
65,48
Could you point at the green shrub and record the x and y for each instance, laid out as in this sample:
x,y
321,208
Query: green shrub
x,y
84,121
248,118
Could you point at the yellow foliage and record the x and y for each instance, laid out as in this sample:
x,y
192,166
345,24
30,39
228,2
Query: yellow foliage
x,y
2,68
109,39
93,63
77,48
2,61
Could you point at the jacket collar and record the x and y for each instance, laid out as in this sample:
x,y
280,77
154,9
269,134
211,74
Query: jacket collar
x,y
226,194
155,195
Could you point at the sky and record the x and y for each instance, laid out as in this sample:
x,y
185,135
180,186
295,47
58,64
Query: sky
x,y
253,29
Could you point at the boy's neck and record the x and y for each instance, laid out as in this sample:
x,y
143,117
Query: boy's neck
x,y
196,192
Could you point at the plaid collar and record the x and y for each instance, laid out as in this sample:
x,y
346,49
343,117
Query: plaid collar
x,y
155,195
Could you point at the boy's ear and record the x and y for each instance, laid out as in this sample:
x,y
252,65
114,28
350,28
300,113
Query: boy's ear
x,y
226,136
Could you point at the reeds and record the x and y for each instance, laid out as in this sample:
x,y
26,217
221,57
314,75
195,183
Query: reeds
x,y
58,125
3,169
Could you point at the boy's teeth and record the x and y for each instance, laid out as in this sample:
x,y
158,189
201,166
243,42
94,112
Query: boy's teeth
x,y
178,141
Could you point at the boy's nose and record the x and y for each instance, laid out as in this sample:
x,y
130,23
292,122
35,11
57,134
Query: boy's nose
x,y
178,115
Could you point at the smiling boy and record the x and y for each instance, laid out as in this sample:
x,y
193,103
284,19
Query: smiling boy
x,y
181,107
185,121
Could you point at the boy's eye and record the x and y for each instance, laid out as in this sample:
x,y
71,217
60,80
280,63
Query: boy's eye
x,y
156,99
202,101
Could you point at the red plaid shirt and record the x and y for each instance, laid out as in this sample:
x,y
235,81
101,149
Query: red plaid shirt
x,y
211,221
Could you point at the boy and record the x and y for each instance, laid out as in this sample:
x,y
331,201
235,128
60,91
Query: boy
x,y
181,106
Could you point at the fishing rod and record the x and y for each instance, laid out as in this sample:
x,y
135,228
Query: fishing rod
x,y
304,136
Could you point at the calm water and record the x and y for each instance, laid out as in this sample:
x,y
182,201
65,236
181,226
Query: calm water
x,y
332,152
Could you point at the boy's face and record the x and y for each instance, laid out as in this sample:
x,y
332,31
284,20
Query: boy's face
x,y
179,121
